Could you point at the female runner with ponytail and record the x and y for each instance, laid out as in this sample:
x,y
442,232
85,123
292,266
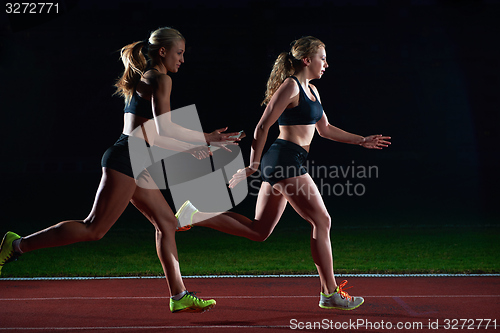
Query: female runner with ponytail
x,y
295,104
146,89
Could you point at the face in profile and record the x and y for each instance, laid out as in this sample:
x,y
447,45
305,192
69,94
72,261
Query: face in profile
x,y
318,63
174,57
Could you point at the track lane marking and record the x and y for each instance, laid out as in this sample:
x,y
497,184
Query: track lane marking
x,y
248,276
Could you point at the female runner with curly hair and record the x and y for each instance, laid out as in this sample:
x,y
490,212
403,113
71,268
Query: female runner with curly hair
x,y
296,105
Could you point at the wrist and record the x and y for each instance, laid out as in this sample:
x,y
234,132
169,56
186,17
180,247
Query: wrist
x,y
361,141
188,147
254,166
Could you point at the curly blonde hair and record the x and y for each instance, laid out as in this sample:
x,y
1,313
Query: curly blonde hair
x,y
288,63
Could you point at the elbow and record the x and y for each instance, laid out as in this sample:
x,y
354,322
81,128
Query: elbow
x,y
322,133
322,130
164,126
164,131
261,129
161,132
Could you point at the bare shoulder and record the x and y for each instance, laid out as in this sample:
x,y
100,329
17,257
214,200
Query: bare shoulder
x,y
286,95
153,78
153,81
289,88
164,82
163,78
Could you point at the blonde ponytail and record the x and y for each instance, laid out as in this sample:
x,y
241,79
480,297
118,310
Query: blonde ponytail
x,y
288,63
135,62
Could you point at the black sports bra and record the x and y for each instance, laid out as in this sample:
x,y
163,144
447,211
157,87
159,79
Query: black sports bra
x,y
306,113
140,106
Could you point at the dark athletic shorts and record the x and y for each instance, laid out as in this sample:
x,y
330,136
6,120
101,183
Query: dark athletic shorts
x,y
283,160
117,157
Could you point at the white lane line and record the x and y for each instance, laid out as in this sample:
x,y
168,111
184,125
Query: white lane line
x,y
247,276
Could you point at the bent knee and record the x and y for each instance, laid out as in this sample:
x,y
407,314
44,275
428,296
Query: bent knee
x,y
95,236
260,237
93,233
322,222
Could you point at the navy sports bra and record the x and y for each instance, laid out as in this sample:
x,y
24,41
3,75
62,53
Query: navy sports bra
x,y
306,113
139,106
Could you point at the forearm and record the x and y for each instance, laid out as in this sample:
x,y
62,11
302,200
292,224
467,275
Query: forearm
x,y
258,143
339,135
172,144
177,132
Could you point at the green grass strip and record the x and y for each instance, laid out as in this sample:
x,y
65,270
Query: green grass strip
x,y
202,251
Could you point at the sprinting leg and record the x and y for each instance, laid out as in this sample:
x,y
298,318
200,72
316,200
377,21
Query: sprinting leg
x,y
153,206
151,203
305,198
112,197
302,193
268,211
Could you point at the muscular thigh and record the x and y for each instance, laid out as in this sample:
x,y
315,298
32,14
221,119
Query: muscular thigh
x,y
152,204
112,197
302,193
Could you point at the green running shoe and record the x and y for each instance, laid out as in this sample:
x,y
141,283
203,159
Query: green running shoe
x,y
191,303
7,253
340,299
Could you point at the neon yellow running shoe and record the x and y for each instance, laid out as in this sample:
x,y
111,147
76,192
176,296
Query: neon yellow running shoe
x,y
340,299
7,253
185,216
190,303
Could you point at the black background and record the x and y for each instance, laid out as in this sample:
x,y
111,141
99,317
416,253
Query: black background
x,y
424,72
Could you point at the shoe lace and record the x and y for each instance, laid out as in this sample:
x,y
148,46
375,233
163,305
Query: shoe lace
x,y
185,228
7,258
192,294
342,292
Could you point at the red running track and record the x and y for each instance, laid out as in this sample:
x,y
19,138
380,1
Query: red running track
x,y
421,304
